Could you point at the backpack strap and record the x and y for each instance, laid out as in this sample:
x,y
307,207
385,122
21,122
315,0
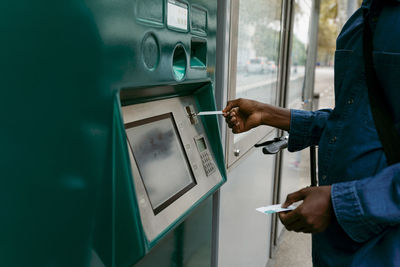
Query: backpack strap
x,y
383,118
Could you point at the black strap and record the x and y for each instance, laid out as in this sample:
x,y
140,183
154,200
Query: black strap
x,y
383,118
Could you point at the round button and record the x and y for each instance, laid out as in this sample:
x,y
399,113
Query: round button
x,y
150,51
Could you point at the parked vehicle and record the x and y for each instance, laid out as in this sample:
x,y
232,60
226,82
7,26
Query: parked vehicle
x,y
255,65
269,67
260,65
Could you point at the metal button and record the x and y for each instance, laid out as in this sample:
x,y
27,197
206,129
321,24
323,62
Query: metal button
x,y
333,140
351,101
324,177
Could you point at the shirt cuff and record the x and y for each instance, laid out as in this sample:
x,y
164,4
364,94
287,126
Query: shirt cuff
x,y
349,212
299,133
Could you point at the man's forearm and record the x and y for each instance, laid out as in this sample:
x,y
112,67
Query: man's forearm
x,y
276,117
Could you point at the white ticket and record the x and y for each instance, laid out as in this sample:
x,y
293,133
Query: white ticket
x,y
204,113
275,208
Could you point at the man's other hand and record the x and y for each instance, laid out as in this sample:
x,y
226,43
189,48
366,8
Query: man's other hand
x,y
313,215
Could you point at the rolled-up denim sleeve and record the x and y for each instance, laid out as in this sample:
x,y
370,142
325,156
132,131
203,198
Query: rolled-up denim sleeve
x,y
306,128
364,208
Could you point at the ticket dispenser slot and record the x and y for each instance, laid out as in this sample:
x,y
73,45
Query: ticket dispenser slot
x,y
192,114
198,53
173,163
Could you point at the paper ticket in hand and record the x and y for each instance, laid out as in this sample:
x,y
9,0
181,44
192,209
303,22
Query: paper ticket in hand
x,y
205,113
275,208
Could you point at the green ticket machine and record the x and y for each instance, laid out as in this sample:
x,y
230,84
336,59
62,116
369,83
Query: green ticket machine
x,y
105,161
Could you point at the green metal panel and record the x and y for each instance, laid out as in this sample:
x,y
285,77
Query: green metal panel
x,y
66,194
129,244
188,245
55,137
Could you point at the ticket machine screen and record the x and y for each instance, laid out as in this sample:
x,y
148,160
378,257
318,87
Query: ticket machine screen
x,y
161,160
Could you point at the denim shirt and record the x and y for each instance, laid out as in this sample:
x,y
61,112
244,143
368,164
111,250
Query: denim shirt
x,y
365,192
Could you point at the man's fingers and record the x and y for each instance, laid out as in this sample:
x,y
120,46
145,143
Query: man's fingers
x,y
236,129
305,229
289,217
297,226
294,225
230,115
294,197
233,113
294,221
234,125
230,105
231,121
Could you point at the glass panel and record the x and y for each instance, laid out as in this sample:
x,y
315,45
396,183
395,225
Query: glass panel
x,y
299,52
258,51
296,166
243,233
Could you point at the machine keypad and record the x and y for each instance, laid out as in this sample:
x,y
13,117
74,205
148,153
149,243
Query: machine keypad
x,y
206,160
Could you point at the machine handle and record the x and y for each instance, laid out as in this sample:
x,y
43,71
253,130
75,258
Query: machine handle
x,y
274,146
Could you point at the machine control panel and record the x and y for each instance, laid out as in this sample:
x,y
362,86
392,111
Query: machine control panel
x,y
167,143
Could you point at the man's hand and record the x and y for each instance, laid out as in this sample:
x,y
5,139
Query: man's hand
x,y
313,215
243,114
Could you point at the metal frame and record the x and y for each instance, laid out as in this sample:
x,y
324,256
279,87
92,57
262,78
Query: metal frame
x,y
221,95
286,46
307,93
283,75
312,56
235,151
229,75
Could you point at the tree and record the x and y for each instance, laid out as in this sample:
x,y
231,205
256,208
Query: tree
x,y
266,42
299,53
328,30
256,27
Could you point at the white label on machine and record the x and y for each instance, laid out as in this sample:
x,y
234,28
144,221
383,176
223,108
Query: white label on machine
x,y
177,15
